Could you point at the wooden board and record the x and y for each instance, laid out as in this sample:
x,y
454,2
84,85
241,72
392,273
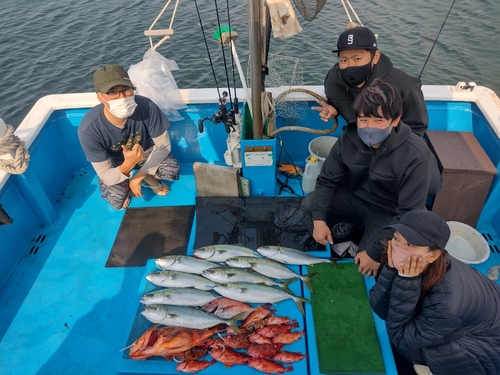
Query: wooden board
x,y
467,176
215,180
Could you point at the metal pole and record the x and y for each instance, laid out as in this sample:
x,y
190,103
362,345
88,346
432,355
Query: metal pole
x,y
254,7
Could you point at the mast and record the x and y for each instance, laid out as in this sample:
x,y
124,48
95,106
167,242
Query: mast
x,y
254,35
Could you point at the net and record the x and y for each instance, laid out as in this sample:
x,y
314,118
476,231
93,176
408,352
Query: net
x,y
309,9
284,73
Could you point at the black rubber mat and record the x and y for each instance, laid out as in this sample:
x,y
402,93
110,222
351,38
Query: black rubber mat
x,y
253,222
151,233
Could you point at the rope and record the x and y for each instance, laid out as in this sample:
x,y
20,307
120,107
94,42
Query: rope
x,y
267,104
301,128
352,10
11,142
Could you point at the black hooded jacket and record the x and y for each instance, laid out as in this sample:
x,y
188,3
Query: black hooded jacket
x,y
341,95
394,177
453,329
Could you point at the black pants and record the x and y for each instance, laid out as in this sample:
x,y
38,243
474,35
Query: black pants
x,y
347,206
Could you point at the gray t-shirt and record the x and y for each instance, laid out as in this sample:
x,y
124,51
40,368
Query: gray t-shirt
x,y
102,141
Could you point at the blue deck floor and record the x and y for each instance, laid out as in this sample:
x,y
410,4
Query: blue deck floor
x,y
62,311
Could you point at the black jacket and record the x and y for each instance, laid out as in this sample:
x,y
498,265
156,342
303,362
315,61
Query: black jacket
x,y
394,177
455,329
341,95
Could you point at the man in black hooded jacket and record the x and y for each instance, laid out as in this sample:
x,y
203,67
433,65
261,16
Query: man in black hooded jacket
x,y
360,63
376,171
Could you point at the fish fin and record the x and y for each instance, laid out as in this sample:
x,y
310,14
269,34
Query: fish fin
x,y
284,285
298,301
306,280
232,322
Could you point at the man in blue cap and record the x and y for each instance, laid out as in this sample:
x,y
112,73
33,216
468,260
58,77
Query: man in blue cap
x,y
360,63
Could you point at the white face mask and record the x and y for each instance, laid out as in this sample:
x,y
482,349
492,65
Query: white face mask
x,y
123,107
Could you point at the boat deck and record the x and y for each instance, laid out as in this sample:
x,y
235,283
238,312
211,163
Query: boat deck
x,y
63,311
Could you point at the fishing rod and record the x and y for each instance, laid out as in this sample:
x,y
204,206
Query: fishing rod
x,y
435,41
222,115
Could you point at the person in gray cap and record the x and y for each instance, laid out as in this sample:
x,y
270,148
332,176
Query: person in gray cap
x,y
123,133
441,315
360,63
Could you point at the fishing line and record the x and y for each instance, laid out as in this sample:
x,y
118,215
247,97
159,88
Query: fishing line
x,y
208,50
224,54
435,41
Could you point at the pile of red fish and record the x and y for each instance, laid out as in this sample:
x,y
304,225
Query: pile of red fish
x,y
259,344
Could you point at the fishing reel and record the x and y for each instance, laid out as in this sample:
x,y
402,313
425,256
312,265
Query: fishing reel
x,y
223,115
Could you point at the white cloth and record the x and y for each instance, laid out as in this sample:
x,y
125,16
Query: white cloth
x,y
283,19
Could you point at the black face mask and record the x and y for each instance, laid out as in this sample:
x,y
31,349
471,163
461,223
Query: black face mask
x,y
355,75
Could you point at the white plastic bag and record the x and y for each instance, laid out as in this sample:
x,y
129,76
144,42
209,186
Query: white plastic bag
x,y
153,79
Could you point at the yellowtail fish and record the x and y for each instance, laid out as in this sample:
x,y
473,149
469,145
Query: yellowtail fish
x,y
238,275
219,253
179,297
269,268
256,293
183,263
291,256
178,279
187,317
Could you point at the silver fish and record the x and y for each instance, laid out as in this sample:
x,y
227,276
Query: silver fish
x,y
269,268
178,279
219,253
187,317
256,293
183,263
237,275
291,256
179,297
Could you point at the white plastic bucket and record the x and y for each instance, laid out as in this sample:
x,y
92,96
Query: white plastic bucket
x,y
320,147
467,244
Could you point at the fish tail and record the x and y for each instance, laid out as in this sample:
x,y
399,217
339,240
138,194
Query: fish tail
x,y
284,285
232,322
306,280
298,301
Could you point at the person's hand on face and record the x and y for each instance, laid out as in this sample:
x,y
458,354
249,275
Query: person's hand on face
x,y
413,266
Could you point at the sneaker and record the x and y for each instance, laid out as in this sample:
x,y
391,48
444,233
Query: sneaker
x,y
422,370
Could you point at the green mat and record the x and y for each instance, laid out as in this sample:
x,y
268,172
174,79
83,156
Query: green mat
x,y
345,331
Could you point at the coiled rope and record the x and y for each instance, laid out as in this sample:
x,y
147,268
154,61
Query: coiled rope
x,y
9,143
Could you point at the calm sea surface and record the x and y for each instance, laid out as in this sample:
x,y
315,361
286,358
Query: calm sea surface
x,y
49,47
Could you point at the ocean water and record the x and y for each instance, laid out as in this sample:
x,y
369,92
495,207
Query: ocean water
x,y
53,46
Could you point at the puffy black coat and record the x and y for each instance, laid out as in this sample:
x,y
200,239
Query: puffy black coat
x,y
341,95
394,177
455,329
